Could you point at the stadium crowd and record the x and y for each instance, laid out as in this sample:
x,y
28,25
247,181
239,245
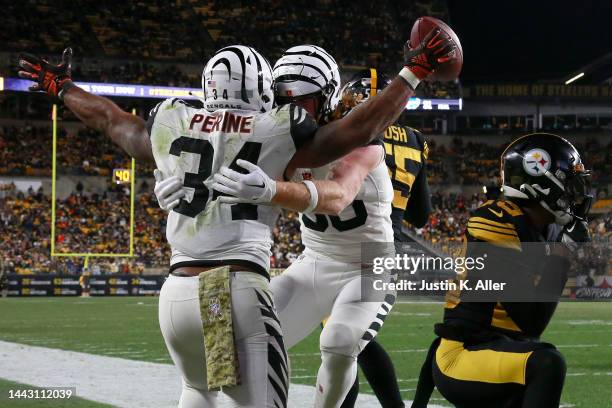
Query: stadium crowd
x,y
158,36
88,223
99,223
27,150
478,162
448,218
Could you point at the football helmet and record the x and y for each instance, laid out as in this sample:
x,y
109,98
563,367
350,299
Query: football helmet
x,y
308,76
238,77
548,169
362,85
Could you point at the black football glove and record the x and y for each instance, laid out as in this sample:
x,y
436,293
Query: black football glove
x,y
575,234
52,79
435,49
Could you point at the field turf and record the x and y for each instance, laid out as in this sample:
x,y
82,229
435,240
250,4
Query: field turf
x,y
127,328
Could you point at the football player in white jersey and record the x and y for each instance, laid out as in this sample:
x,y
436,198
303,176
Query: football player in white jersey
x,y
237,125
356,193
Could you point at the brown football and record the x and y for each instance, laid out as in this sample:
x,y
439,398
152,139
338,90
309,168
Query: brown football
x,y
449,70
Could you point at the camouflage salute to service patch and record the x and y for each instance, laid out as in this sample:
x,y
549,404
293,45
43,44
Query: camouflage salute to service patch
x,y
216,312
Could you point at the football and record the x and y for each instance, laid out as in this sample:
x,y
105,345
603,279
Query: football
x,y
449,70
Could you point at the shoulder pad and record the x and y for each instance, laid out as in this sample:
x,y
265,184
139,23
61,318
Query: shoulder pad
x,y
165,112
496,222
302,126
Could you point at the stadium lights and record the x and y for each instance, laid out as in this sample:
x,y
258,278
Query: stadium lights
x,y
569,81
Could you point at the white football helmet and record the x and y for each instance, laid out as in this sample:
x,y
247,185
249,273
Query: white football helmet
x,y
307,71
238,77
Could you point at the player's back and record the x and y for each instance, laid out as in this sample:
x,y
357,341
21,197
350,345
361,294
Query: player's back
x,y
194,144
495,224
406,157
365,220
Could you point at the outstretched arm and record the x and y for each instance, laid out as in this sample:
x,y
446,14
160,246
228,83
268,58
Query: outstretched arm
x,y
362,125
369,120
128,131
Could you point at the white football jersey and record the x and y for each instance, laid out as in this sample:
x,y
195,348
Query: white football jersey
x,y
366,219
194,144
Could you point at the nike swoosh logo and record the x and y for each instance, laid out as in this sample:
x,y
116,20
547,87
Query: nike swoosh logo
x,y
262,185
499,214
571,229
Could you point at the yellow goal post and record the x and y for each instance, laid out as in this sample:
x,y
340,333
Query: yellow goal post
x,y
86,255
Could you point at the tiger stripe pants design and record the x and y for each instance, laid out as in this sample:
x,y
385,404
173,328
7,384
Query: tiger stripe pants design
x,y
315,288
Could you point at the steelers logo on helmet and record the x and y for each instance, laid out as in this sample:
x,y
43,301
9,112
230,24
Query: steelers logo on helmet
x,y
536,162
551,166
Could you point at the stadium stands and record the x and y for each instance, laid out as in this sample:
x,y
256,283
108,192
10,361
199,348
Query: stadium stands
x,y
26,151
165,43
177,32
100,223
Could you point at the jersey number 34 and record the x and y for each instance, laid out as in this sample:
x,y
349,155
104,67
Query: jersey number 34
x,y
249,152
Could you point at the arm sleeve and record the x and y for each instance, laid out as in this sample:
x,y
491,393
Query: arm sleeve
x,y
419,205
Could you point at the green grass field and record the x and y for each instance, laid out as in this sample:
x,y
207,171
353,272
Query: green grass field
x,y
127,328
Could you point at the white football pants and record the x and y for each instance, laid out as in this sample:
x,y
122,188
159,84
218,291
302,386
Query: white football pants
x,y
261,353
314,288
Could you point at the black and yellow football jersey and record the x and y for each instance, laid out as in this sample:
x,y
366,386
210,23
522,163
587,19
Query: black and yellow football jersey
x,y
501,229
487,349
406,158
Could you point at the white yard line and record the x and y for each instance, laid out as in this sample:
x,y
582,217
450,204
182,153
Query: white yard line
x,y
117,381
577,345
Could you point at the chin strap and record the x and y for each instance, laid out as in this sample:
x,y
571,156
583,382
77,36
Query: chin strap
x,y
535,193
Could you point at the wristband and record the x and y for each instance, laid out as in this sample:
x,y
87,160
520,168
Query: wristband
x,y
314,196
409,77
67,85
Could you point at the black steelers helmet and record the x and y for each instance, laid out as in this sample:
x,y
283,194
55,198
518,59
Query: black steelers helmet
x,y
361,86
548,169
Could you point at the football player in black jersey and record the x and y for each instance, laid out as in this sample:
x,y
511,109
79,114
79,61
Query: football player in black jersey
x,y
488,351
406,155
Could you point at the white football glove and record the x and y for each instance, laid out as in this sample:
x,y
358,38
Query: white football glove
x,y
168,191
253,187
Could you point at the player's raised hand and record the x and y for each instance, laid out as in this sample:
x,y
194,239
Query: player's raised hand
x,y
169,192
435,49
252,187
52,79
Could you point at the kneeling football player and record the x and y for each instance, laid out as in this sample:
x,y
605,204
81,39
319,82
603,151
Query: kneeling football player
x,y
488,352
